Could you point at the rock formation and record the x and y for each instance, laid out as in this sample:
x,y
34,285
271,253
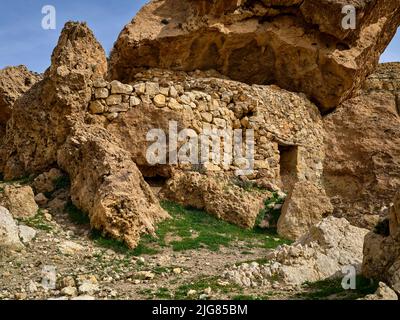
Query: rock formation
x,y
299,45
106,184
300,211
14,81
362,146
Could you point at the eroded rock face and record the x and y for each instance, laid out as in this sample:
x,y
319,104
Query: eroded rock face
x,y
382,252
52,105
320,254
14,81
299,45
301,211
106,184
362,146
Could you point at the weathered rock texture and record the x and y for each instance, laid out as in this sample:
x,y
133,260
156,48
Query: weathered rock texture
x,y
105,182
299,45
108,186
319,254
19,200
362,146
301,211
382,251
288,136
218,195
9,238
14,81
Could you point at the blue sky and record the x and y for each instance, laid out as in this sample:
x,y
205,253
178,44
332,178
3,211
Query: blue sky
x,y
23,41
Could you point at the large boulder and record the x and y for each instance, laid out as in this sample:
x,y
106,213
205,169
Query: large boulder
x,y
19,200
299,45
320,254
14,82
305,206
362,146
9,238
107,185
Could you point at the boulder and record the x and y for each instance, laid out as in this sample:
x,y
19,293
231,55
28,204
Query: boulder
x,y
299,45
305,206
59,100
19,200
362,147
107,185
26,234
218,195
45,182
9,238
320,254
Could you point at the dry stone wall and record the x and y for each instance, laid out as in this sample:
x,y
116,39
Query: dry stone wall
x,y
283,122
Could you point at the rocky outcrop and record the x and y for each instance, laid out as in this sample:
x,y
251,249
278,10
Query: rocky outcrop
x,y
382,251
14,81
382,293
319,254
53,105
299,45
300,211
105,183
362,146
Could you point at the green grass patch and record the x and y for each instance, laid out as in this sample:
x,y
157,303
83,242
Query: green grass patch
x,y
38,222
195,229
332,289
191,229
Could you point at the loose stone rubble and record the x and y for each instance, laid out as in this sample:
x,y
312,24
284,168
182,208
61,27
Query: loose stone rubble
x,y
319,254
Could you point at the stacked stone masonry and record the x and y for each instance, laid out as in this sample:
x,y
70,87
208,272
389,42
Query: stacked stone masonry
x,y
281,120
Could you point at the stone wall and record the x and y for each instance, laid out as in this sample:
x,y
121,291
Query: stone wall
x,y
282,121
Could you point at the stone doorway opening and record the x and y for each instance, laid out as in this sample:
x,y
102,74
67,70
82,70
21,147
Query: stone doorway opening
x,y
288,162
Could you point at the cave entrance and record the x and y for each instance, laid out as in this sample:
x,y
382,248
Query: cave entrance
x,y
288,165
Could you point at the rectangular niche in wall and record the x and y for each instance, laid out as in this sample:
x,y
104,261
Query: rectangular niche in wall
x,y
288,165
